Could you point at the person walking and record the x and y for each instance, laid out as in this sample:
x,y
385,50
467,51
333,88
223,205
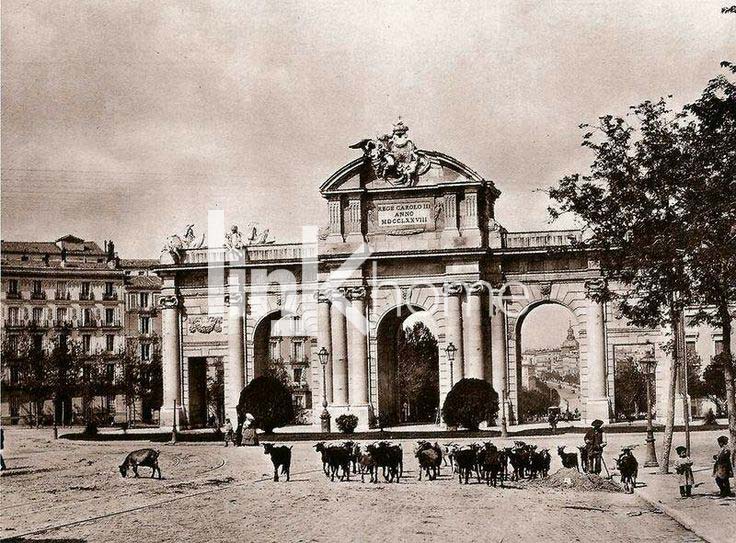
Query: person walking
x,y
229,432
684,468
723,469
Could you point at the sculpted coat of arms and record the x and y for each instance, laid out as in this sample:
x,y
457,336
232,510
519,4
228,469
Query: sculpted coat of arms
x,y
394,158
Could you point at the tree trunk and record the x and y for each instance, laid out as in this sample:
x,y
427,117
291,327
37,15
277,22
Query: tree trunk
x,y
728,374
664,466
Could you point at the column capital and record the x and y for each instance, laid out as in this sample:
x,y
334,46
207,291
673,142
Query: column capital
x,y
322,296
595,287
477,289
234,298
169,302
339,293
357,293
453,289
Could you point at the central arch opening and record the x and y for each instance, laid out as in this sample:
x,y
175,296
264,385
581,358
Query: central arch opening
x,y
548,363
408,366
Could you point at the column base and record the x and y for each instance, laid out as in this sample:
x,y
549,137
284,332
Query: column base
x,y
363,412
597,408
166,418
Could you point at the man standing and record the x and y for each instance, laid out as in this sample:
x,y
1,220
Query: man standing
x,y
722,468
594,446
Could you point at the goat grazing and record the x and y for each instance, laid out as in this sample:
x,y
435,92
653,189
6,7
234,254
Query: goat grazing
x,y
142,457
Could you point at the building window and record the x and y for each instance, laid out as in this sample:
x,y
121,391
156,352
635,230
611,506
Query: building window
x,y
144,325
60,315
63,340
38,343
62,292
37,315
13,286
297,351
37,287
143,299
110,405
86,343
87,319
13,316
85,292
110,372
718,346
110,343
109,315
145,352
274,350
297,375
13,344
109,288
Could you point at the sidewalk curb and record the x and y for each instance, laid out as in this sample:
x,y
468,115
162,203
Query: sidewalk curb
x,y
681,518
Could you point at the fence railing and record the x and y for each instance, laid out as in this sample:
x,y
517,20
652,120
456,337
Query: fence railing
x,y
549,238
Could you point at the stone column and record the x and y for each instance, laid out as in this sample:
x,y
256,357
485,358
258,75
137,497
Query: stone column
x,y
235,374
170,363
324,339
499,368
597,405
454,335
339,349
357,348
474,360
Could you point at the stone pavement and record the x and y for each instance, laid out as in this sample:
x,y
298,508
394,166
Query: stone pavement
x,y
705,514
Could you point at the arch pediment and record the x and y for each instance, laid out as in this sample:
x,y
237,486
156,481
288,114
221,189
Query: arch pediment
x,y
439,171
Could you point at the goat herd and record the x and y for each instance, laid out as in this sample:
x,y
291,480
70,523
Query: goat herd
x,y
482,461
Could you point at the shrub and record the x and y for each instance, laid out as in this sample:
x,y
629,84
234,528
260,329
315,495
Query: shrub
x,y
269,401
470,402
346,423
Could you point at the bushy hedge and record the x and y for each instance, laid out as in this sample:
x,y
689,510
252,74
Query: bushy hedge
x,y
347,423
269,401
470,402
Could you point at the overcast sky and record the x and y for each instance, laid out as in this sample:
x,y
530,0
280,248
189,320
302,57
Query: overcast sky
x,y
127,120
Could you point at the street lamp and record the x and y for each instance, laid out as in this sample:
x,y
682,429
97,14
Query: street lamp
x,y
323,354
451,350
649,366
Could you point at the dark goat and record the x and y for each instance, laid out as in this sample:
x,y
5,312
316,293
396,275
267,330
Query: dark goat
x,y
280,457
430,459
569,460
519,458
142,457
466,460
336,458
629,468
388,457
539,463
491,463
366,462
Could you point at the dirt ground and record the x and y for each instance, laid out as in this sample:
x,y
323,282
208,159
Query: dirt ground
x,y
73,491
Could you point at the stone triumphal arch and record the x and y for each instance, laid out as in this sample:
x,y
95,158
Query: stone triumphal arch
x,y
407,230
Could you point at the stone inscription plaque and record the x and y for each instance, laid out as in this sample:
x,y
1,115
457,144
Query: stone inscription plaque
x,y
404,216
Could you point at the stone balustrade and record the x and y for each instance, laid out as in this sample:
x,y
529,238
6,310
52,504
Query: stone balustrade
x,y
549,238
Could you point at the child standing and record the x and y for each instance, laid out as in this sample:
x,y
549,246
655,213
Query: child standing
x,y
684,468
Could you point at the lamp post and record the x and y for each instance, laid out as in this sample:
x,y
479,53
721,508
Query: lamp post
x,y
451,350
649,366
323,354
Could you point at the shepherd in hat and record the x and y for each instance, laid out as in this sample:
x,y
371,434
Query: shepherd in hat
x,y
594,444
723,469
684,468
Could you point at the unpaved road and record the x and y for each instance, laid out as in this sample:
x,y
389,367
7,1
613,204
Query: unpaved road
x,y
73,490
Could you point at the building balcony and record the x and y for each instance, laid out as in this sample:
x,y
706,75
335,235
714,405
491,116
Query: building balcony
x,y
15,323
40,323
61,296
63,323
38,295
109,296
86,296
89,324
13,296
111,324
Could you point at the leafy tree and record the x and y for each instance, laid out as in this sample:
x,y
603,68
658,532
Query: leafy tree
x,y
470,402
151,382
714,383
418,373
710,213
536,401
346,423
632,208
129,382
64,370
269,401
